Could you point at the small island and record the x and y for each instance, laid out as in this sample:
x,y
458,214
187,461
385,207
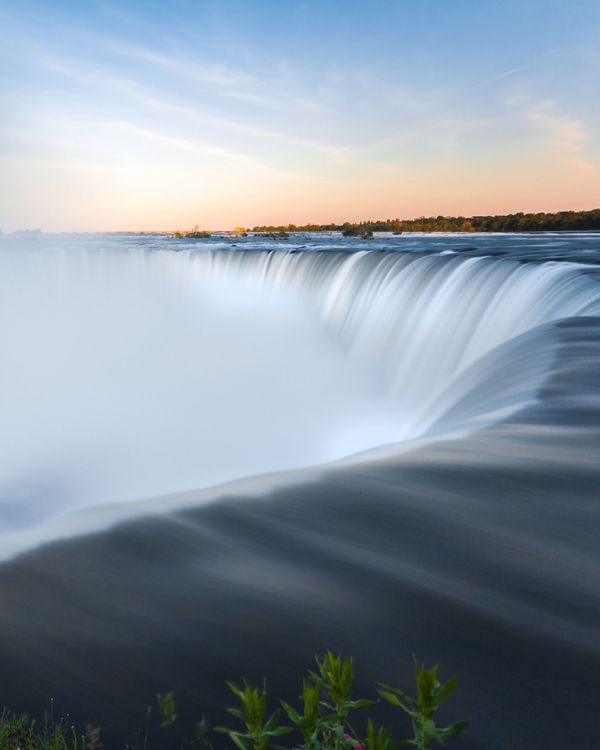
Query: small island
x,y
193,234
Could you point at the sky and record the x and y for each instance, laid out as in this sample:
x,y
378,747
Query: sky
x,y
147,115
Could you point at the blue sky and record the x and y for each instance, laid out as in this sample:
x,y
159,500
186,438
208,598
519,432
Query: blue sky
x,y
146,115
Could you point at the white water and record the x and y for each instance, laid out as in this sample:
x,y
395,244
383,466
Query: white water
x,y
130,374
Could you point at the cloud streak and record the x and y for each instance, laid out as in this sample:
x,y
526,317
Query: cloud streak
x,y
134,91
503,76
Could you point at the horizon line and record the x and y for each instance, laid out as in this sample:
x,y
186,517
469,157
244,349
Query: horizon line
x,y
240,229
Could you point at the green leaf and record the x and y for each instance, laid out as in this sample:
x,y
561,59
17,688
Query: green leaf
x,y
395,701
235,689
453,729
361,703
291,712
427,685
200,733
166,705
272,722
392,688
396,690
236,737
329,719
310,696
279,731
237,741
391,698
446,691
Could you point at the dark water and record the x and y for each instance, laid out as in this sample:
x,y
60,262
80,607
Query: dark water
x,y
576,247
473,542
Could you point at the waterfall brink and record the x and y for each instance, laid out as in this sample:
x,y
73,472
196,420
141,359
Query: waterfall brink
x,y
135,373
421,321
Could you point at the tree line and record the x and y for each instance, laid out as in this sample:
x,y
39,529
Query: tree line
x,y
519,222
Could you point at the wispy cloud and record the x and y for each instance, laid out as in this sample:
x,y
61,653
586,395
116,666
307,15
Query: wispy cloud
x,y
194,147
502,76
202,72
229,82
559,135
134,91
564,136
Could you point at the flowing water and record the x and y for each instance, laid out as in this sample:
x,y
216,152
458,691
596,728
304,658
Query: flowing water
x,y
451,379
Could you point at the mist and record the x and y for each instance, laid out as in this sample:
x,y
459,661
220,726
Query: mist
x,y
123,376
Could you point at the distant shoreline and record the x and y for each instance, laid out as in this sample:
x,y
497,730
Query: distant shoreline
x,y
559,221
518,222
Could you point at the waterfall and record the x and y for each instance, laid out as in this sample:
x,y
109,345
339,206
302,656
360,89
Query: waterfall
x,y
420,321
128,373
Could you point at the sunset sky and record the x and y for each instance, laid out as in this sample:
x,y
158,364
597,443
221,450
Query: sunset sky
x,y
162,115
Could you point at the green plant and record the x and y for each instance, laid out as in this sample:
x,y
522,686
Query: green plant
x,y
323,720
200,734
253,704
20,732
335,678
308,721
327,702
166,705
431,693
379,738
